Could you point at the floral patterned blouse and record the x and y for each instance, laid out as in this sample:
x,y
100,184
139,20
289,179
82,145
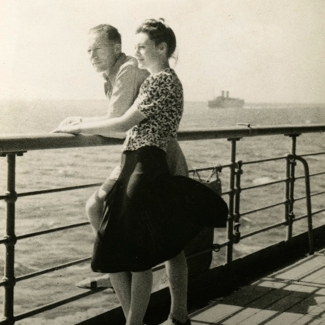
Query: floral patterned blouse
x,y
161,101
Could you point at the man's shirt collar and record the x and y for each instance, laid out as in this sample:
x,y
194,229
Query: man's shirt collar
x,y
110,74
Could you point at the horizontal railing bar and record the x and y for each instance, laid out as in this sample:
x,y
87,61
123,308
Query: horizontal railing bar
x,y
62,266
56,304
311,175
313,154
61,189
318,211
305,215
25,142
317,174
262,160
48,231
71,188
20,143
262,185
51,269
297,218
54,190
276,225
263,208
48,270
311,195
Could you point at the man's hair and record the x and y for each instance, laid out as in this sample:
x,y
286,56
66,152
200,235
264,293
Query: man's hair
x,y
109,31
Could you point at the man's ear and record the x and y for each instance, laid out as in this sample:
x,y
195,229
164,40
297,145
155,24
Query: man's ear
x,y
117,48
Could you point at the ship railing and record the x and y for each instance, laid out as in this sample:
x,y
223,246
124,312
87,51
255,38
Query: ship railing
x,y
12,146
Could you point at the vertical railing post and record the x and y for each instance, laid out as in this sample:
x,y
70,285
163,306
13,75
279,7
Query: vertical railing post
x,y
288,212
232,192
238,174
292,178
10,237
290,197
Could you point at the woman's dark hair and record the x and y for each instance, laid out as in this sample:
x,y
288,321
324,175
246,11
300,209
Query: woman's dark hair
x,y
159,32
109,31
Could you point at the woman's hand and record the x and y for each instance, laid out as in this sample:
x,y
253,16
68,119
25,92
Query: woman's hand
x,y
71,120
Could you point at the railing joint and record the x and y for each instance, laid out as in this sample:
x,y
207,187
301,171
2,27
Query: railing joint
x,y
239,165
10,240
218,169
10,197
233,139
290,219
292,135
237,234
216,248
7,321
9,283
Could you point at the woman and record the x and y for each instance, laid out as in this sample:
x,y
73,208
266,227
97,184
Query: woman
x,y
149,215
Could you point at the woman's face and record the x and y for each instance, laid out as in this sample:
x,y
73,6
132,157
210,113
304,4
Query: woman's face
x,y
149,55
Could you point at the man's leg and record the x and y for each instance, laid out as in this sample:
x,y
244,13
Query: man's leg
x,y
133,291
94,211
140,295
95,204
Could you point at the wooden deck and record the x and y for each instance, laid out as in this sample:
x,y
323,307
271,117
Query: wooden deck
x,y
293,295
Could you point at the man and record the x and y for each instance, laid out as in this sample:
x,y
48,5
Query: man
x,y
123,80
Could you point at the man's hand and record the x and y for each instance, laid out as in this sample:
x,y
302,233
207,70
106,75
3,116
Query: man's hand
x,y
69,125
73,128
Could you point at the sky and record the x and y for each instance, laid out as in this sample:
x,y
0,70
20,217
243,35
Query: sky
x,y
258,50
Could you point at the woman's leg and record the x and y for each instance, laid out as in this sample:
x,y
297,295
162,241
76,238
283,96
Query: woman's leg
x,y
140,296
133,291
121,282
177,272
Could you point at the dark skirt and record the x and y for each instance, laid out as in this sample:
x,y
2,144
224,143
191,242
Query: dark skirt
x,y
150,216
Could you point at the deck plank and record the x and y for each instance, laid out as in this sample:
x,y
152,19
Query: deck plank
x,y
302,269
292,296
309,320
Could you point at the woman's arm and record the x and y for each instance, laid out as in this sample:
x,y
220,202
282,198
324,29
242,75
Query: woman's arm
x,y
106,126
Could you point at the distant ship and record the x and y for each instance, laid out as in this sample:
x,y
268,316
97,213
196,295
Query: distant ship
x,y
226,102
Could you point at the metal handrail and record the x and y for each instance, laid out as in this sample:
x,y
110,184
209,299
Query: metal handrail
x,y
20,143
13,145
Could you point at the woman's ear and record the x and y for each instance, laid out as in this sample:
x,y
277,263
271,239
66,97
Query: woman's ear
x,y
162,47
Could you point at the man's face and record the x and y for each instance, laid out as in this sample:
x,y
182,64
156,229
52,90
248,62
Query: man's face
x,y
102,53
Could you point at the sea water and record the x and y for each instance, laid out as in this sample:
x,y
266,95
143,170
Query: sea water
x,y
46,169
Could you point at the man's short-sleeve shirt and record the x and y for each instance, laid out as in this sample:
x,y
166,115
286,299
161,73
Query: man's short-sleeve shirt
x,y
123,83
161,101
